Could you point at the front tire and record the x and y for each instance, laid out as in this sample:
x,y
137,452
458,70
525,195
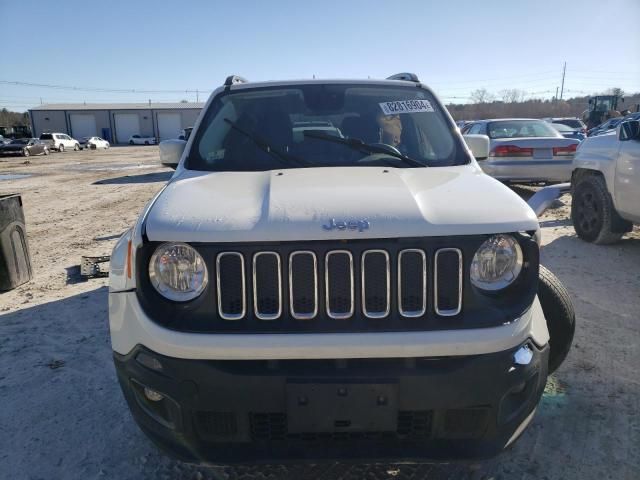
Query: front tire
x,y
592,212
46,151
146,143
26,152
559,314
130,142
61,148
76,147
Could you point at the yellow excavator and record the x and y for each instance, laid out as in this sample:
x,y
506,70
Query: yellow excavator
x,y
601,108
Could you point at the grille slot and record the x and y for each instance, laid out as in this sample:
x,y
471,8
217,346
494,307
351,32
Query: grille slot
x,y
448,282
412,283
376,284
267,285
412,425
339,284
303,285
231,286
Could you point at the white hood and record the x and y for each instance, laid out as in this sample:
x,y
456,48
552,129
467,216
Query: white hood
x,y
294,204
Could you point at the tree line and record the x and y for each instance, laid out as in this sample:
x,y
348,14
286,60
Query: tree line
x,y
511,103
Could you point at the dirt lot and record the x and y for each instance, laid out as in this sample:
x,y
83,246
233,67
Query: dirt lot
x,y
63,416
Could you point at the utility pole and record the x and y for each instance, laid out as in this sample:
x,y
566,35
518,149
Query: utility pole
x,y
197,96
564,69
555,99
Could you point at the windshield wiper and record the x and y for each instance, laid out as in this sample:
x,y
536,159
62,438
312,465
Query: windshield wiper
x,y
358,144
266,147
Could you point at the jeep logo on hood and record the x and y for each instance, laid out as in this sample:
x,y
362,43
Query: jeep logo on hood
x,y
360,225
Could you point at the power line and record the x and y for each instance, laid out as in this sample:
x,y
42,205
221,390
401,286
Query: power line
x,y
98,89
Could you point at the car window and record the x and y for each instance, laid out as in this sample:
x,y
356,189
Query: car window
x,y
573,123
46,136
317,123
475,128
520,129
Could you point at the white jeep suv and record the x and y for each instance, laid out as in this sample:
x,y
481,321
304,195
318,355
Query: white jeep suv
x,y
59,141
363,291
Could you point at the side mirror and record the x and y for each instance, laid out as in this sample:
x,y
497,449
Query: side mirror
x,y
171,152
629,130
478,144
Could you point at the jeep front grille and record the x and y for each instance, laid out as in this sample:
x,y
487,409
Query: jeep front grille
x,y
373,283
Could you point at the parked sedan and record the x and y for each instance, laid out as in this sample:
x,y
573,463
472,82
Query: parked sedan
x,y
568,132
525,150
93,143
141,140
25,147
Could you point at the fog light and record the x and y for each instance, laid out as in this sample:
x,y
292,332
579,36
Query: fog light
x,y
523,355
153,395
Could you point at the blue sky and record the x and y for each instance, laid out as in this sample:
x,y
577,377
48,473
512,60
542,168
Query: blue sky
x,y
455,46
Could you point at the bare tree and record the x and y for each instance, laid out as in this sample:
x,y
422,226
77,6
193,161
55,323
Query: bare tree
x,y
616,91
481,95
512,95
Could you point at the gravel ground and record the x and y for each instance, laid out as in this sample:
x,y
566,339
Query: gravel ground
x,y
63,415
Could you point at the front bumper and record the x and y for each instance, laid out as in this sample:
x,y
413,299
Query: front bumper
x,y
229,411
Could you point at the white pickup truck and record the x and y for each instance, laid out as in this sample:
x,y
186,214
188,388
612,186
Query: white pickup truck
x,y
357,288
606,184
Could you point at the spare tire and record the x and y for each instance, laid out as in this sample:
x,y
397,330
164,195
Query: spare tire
x,y
561,318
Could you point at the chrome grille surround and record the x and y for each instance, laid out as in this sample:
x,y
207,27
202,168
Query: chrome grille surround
x,y
243,312
314,313
266,316
423,310
447,312
327,285
385,312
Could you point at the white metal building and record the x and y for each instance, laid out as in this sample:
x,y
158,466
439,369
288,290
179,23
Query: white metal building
x,y
115,122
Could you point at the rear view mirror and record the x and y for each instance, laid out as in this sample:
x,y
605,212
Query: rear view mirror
x,y
478,144
629,130
171,152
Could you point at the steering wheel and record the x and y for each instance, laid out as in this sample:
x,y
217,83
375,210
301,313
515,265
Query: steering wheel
x,y
373,157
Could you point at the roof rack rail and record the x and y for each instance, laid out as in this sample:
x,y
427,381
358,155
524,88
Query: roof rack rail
x,y
233,79
409,77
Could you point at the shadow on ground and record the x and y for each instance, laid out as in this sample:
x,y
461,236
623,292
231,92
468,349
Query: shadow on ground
x,y
142,178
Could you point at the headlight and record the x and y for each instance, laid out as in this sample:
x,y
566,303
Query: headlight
x,y
497,263
178,272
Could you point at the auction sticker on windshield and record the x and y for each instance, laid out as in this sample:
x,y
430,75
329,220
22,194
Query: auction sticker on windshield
x,y
406,106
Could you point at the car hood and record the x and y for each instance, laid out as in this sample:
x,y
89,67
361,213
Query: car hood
x,y
298,204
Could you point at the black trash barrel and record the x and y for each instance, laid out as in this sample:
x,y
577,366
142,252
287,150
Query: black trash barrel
x,y
15,263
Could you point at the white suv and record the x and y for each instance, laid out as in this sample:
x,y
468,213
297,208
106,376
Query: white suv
x,y
358,288
59,141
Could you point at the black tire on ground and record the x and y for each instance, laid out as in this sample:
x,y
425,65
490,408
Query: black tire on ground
x,y
46,151
76,147
130,142
26,152
560,316
146,142
61,148
593,215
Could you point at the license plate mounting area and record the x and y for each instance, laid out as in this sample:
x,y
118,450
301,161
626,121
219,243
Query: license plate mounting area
x,y
342,407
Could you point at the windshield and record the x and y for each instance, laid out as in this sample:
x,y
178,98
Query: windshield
x,y
521,129
562,128
20,141
570,123
324,125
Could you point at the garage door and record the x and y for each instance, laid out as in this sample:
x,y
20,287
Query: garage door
x,y
83,125
169,125
127,124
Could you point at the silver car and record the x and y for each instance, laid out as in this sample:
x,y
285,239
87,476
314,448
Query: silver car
x,y
525,150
